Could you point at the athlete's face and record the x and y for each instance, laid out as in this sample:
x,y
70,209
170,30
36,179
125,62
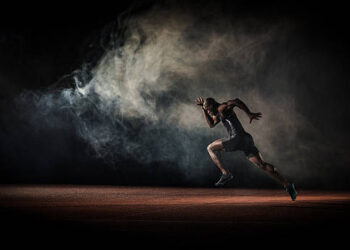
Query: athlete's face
x,y
209,108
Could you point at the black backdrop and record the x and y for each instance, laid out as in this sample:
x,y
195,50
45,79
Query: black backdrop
x,y
41,43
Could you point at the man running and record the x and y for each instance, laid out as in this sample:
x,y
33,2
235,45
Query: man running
x,y
238,139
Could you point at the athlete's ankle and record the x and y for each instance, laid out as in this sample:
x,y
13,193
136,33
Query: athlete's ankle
x,y
226,172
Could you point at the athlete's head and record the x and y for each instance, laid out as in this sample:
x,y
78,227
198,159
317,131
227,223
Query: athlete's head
x,y
211,105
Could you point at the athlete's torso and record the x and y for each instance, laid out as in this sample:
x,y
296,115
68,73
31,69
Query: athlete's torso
x,y
231,122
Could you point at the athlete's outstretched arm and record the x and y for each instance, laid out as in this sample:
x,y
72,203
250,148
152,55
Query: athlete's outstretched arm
x,y
240,104
211,120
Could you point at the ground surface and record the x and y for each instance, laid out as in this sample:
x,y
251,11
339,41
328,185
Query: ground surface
x,y
173,215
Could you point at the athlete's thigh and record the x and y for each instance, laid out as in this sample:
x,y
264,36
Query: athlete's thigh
x,y
216,145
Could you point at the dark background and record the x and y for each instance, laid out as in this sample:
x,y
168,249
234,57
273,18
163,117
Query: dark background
x,y
41,43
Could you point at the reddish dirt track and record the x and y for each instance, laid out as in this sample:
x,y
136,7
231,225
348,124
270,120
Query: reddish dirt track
x,y
176,213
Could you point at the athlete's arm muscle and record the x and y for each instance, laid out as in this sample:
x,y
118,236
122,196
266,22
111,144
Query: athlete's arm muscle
x,y
211,120
237,102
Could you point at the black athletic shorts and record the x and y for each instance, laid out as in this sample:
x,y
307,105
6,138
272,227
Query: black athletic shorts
x,y
243,142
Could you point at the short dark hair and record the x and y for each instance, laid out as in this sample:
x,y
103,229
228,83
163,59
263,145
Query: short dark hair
x,y
211,101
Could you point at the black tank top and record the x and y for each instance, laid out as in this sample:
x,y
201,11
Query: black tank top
x,y
232,124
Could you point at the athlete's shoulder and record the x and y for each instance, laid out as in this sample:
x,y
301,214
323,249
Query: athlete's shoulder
x,y
227,105
222,107
232,102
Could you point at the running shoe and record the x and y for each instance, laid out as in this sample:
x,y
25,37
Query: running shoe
x,y
224,179
292,192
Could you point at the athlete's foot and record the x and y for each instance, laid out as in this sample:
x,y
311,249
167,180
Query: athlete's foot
x,y
224,179
292,192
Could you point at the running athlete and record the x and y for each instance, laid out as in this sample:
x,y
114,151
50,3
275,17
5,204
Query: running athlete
x,y
238,139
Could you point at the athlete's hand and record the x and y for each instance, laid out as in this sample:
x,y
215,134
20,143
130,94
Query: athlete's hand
x,y
200,101
254,116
